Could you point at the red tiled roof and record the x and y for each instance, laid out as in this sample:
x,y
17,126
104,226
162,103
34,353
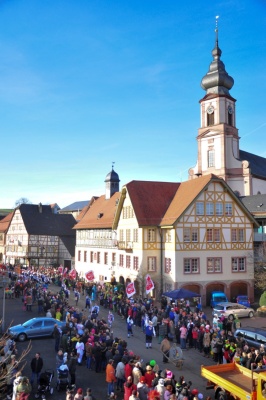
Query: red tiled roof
x,y
100,214
150,200
5,222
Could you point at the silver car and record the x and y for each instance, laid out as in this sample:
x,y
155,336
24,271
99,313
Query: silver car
x,y
231,310
34,328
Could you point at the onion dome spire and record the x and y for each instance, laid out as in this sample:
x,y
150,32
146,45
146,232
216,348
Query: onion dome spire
x,y
217,79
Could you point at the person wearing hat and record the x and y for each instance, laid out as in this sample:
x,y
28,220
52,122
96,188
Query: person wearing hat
x,y
149,334
79,394
149,376
160,388
142,388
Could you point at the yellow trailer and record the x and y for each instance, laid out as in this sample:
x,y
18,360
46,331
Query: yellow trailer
x,y
232,381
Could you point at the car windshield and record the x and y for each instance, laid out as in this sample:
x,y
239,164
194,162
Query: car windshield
x,y
28,323
219,308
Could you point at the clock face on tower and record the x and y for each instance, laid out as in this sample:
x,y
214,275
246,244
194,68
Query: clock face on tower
x,y
230,110
210,109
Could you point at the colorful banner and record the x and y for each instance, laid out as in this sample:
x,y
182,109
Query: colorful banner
x,y
149,284
90,275
130,289
72,274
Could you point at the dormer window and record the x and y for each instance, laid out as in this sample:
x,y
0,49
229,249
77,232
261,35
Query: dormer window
x,y
210,116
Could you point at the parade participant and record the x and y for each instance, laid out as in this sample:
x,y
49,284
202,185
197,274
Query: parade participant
x,y
80,350
130,323
165,347
148,335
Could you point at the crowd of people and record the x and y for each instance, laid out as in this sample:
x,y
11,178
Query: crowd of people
x,y
88,339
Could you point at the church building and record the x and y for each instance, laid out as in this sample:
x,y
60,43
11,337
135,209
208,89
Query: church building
x,y
218,138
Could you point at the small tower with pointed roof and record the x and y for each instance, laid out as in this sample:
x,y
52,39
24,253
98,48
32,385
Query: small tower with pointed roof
x,y
111,183
218,140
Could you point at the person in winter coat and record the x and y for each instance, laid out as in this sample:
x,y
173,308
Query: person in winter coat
x,y
136,373
142,388
120,374
110,377
129,386
149,376
72,366
36,367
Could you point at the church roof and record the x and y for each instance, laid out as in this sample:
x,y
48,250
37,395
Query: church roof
x,y
257,164
255,204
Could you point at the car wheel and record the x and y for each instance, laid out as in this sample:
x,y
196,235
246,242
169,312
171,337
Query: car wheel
x,y
22,337
251,314
230,317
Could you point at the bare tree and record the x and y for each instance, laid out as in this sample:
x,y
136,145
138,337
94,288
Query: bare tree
x,y
22,200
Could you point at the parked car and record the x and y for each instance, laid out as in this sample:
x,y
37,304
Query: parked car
x,y
244,300
217,297
230,310
35,327
254,337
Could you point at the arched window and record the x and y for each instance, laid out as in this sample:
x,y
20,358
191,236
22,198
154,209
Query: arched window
x,y
230,116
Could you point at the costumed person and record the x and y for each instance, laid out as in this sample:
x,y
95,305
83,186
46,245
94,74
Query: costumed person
x,y
130,323
111,319
80,351
148,335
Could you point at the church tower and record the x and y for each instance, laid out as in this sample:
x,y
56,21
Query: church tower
x,y
111,184
218,140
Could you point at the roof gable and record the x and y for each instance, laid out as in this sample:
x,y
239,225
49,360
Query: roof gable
x,y
5,222
40,220
100,214
150,200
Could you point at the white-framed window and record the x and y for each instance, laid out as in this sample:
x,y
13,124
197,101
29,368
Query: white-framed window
x,y
214,265
121,260
168,236
121,235
151,235
85,256
128,261
128,235
135,235
191,266
209,209
238,264
135,263
167,265
219,209
213,235
151,262
91,256
199,208
105,258
228,209
79,255
191,235
211,158
237,235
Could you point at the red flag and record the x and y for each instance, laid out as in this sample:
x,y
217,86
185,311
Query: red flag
x,y
90,275
72,274
130,289
149,284
60,269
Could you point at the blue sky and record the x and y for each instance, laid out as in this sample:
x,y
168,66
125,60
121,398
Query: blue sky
x,y
84,83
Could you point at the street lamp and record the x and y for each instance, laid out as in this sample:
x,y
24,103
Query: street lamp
x,y
5,281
